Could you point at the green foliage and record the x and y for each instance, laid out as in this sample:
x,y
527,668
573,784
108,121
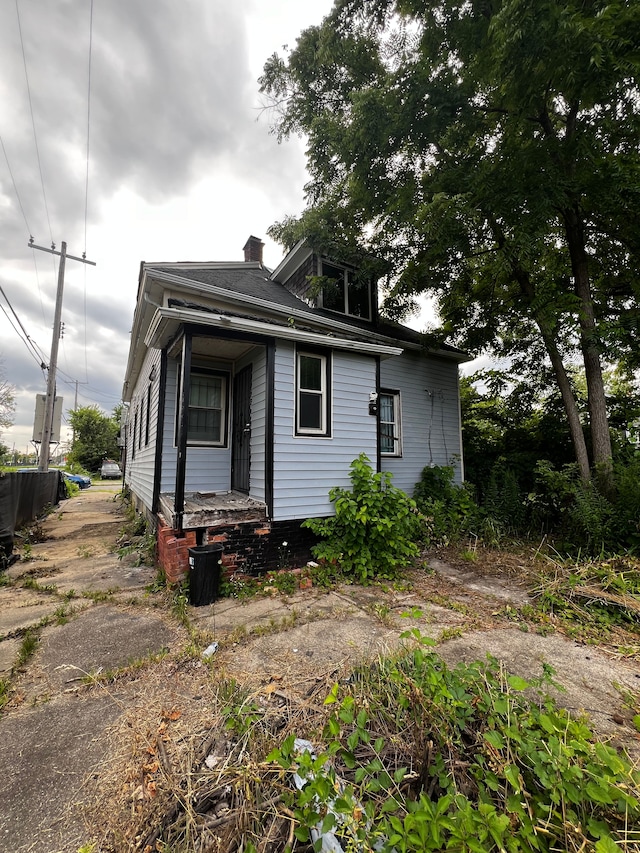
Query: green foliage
x,y
508,424
28,647
137,536
587,518
449,509
5,454
7,402
375,527
95,437
418,757
240,710
5,687
487,151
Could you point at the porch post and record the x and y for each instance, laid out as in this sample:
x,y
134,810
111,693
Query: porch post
x,y
378,448
159,451
269,425
183,423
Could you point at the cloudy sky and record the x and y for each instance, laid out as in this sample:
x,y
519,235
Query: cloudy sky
x,y
181,166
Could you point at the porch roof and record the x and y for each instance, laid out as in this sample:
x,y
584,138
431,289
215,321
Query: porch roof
x,y
167,320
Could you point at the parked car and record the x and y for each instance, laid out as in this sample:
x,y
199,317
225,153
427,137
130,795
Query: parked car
x,y
78,479
110,471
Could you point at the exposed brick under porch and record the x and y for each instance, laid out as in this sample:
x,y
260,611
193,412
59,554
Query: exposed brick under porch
x,y
251,543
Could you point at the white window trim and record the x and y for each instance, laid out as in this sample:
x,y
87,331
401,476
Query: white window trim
x,y
324,430
397,424
224,423
345,292
224,408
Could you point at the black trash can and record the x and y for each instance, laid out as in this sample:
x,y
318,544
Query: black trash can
x,y
204,573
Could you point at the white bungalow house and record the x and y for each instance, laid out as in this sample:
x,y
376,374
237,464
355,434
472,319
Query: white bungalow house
x,y
250,392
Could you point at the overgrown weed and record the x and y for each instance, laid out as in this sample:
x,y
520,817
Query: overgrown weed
x,y
591,596
28,646
419,757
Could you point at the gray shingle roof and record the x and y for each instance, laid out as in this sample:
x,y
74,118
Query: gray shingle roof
x,y
253,281
250,281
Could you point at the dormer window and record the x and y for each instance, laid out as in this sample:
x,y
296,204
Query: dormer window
x,y
345,293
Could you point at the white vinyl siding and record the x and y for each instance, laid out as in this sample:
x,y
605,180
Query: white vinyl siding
x,y
139,466
306,467
430,416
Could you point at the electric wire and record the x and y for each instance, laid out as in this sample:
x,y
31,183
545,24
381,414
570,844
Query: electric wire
x,y
94,391
15,186
35,267
28,342
27,336
86,182
26,222
86,187
33,123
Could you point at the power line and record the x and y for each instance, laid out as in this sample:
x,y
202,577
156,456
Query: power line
x,y
35,267
28,342
33,123
86,187
24,216
86,183
15,187
27,336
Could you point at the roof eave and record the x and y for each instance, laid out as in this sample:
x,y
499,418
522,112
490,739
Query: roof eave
x,y
166,321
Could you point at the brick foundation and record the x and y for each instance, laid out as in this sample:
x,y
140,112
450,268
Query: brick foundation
x,y
173,551
249,547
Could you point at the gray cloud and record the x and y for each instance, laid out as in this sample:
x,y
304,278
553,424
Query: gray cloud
x,y
172,102
169,88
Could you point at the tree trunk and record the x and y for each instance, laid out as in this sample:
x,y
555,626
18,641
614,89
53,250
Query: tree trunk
x,y
600,433
528,290
570,407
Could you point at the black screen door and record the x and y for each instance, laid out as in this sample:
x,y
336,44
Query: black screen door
x,y
241,447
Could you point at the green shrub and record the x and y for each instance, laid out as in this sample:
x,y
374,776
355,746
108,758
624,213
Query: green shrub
x,y
450,510
375,528
582,514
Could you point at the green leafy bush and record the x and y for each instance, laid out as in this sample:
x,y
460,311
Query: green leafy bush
x,y
375,528
450,510
582,514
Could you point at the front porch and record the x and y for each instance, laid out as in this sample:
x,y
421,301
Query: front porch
x,y
208,509
252,543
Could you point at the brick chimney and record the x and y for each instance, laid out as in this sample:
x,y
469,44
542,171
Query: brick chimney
x,y
253,250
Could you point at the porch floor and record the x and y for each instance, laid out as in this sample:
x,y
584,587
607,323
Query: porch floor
x,y
208,509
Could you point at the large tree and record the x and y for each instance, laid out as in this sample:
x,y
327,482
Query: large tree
x,y
488,150
7,401
95,437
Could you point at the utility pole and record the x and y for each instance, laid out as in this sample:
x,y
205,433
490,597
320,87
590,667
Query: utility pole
x,y
75,406
43,464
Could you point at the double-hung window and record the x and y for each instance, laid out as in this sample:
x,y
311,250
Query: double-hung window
x,y
312,393
345,292
389,419
207,407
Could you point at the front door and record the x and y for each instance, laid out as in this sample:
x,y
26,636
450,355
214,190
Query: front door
x,y
241,444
